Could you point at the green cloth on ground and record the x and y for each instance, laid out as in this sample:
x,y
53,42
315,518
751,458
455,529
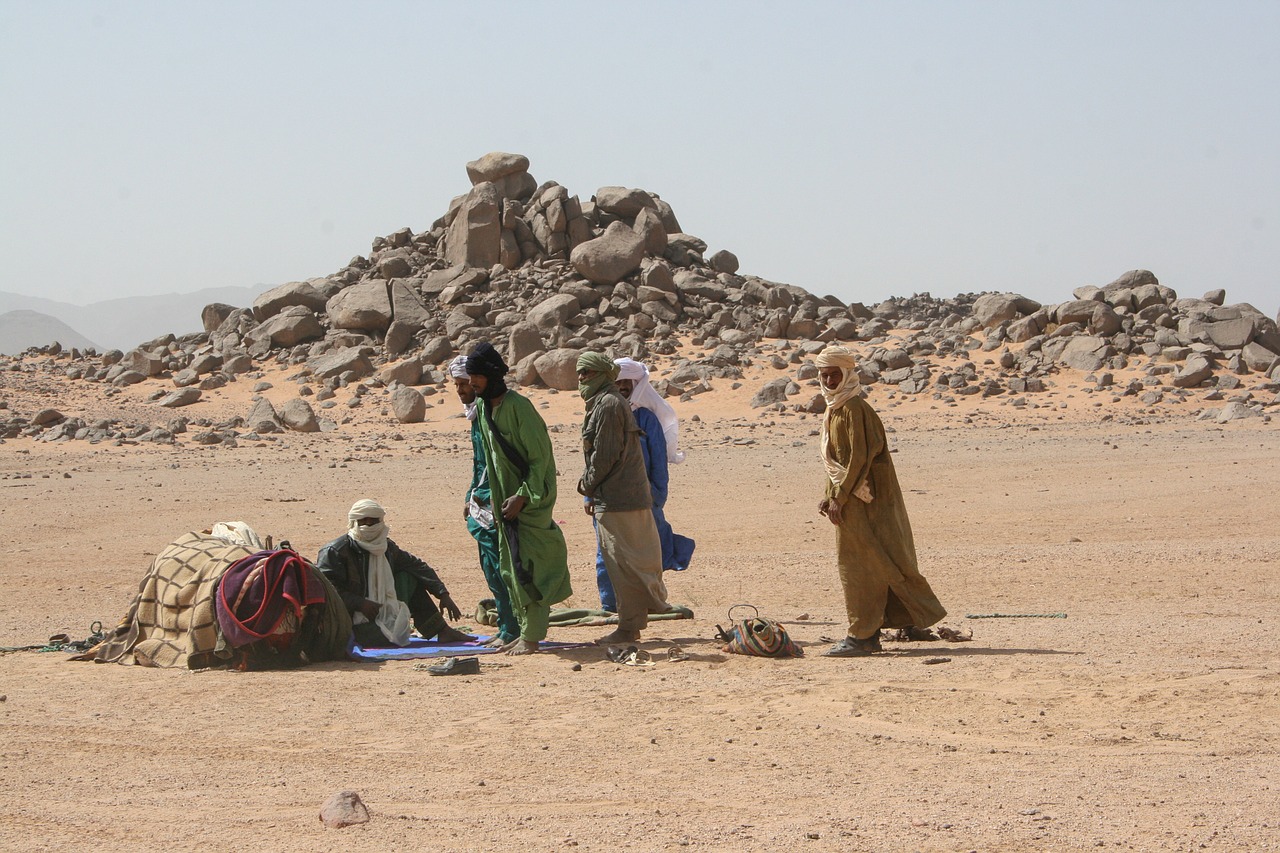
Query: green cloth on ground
x,y
568,617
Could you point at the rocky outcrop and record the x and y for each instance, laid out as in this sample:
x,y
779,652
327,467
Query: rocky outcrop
x,y
543,275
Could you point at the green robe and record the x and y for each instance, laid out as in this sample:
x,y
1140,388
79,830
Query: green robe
x,y
487,538
542,546
883,587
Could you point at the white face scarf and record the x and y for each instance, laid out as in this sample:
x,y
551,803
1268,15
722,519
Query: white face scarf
x,y
848,388
393,617
643,396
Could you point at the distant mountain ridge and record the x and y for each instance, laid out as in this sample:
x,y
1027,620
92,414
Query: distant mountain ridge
x,y
22,329
120,323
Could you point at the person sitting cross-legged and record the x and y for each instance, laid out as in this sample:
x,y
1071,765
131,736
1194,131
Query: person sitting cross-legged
x,y
384,586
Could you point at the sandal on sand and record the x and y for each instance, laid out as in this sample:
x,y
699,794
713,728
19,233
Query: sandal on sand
x,y
618,654
850,647
456,666
954,635
913,634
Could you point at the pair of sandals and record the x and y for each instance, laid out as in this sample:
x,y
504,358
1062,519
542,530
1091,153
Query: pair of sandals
x,y
634,656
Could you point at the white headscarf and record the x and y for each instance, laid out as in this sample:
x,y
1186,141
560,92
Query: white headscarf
x,y
644,397
393,617
843,358
237,532
458,370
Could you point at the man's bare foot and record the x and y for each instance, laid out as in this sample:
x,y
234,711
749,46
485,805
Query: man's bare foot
x,y
495,642
453,635
521,646
618,636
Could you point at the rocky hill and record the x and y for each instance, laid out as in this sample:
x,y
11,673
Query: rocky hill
x,y
543,274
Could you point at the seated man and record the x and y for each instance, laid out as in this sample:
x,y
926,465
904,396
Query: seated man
x,y
383,585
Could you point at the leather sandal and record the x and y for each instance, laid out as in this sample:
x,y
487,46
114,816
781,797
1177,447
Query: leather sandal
x,y
456,666
851,647
913,634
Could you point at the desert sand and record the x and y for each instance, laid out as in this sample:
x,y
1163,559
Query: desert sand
x,y
1147,719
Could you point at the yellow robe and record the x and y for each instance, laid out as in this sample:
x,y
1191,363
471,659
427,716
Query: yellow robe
x,y
883,587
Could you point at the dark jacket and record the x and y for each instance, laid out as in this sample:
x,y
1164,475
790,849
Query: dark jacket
x,y
346,565
613,464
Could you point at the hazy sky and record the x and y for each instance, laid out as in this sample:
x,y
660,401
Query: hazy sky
x,y
860,149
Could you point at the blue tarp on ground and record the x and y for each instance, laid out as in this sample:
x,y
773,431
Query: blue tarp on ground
x,y
420,648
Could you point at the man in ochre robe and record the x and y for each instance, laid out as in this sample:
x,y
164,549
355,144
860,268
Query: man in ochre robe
x,y
883,587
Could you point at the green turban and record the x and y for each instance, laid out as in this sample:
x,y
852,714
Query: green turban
x,y
598,362
606,371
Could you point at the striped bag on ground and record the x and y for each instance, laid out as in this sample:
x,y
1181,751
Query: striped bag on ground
x,y
758,636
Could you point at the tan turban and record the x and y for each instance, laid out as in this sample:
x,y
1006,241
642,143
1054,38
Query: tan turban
x,y
837,356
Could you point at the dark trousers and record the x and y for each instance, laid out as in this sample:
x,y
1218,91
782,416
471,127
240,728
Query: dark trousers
x,y
427,618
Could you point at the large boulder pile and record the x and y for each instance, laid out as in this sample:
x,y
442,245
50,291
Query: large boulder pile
x,y
530,267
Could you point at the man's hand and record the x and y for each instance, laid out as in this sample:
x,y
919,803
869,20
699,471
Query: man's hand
x,y
466,510
448,606
589,507
370,609
512,506
834,513
822,506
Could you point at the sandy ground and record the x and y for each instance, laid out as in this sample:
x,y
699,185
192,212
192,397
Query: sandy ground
x,y
1148,718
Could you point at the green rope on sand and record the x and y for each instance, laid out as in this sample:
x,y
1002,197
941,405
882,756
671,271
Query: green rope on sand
x,y
1015,616
63,642
38,647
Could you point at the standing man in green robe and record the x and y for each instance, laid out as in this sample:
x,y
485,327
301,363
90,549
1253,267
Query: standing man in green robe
x,y
883,587
522,476
477,509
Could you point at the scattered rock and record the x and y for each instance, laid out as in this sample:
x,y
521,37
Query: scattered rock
x,y
344,808
179,398
408,405
297,415
773,391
